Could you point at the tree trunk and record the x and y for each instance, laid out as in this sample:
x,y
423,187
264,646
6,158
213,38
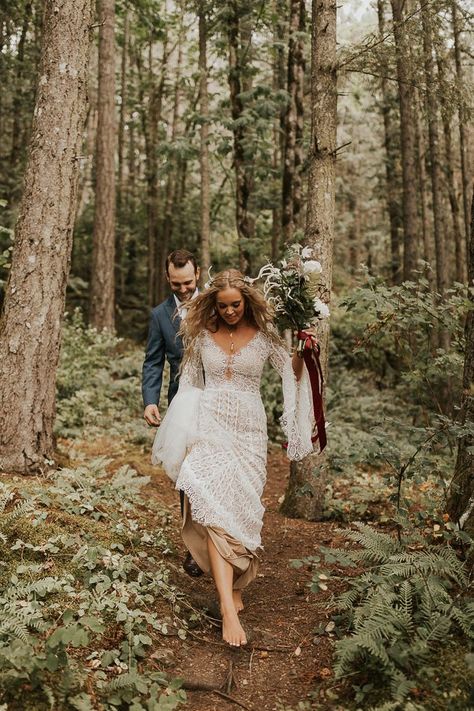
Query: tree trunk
x,y
204,152
172,170
391,160
423,189
17,108
30,329
102,283
435,164
291,189
460,503
151,117
407,137
279,31
449,161
304,496
121,231
463,120
243,173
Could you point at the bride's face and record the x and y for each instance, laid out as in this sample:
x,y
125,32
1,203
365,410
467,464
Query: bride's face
x,y
230,304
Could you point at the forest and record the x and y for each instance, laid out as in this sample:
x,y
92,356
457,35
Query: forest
x,y
237,130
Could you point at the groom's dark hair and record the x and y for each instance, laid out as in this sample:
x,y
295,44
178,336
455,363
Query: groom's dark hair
x,y
179,258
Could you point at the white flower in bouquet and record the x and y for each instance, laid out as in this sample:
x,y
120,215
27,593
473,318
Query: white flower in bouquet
x,y
321,308
311,266
294,289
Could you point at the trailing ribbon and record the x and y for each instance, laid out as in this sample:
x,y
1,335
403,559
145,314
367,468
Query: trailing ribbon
x,y
310,351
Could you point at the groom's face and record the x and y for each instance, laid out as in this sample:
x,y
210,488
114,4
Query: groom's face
x,y
183,280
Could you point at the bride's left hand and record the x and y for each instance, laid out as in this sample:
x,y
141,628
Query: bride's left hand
x,y
311,331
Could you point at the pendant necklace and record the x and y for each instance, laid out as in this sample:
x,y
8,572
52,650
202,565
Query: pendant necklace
x,y
230,357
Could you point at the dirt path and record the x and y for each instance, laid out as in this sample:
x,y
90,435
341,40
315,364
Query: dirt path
x,y
287,658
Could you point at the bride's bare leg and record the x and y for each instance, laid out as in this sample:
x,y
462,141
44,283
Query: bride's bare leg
x,y
238,602
232,630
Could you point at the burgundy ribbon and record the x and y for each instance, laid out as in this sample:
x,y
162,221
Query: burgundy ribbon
x,y
311,351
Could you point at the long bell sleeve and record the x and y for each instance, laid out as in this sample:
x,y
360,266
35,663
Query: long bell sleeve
x,y
179,428
297,420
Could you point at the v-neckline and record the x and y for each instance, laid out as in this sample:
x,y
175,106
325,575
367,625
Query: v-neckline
x,y
230,355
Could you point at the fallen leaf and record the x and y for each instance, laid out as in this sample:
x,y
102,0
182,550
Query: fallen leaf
x,y
325,672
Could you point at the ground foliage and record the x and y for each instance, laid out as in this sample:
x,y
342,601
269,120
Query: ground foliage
x,y
85,593
393,406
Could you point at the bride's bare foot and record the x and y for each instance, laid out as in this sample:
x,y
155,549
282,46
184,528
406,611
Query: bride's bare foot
x,y
238,602
232,631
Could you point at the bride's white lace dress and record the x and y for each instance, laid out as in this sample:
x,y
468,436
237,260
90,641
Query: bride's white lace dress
x,y
217,422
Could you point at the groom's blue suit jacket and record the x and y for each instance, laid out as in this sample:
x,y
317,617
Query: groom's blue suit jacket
x,y
163,343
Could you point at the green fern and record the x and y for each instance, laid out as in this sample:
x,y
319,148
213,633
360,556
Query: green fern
x,y
401,609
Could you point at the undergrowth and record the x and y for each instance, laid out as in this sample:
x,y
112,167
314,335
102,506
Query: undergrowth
x,y
98,385
393,433
86,602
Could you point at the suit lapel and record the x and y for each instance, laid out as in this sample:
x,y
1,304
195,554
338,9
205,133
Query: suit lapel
x,y
171,310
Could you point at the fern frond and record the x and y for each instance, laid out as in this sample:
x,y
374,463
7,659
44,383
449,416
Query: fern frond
x,y
127,680
377,547
15,628
400,686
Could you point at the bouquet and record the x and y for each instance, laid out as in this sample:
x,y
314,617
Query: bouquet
x,y
295,291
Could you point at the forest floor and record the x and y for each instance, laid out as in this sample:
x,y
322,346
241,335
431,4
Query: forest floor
x,y
289,655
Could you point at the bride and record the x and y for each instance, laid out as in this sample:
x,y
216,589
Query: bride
x,y
213,439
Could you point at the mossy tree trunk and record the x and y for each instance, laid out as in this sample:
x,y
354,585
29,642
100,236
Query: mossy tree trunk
x,y
30,328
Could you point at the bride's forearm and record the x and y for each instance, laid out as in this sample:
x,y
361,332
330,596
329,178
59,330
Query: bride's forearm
x,y
297,364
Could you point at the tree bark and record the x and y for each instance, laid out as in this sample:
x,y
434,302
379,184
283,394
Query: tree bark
x,y
449,162
407,137
279,32
204,151
172,168
435,163
245,221
121,232
30,328
391,160
460,503
19,90
292,161
151,114
423,190
463,120
102,285
304,496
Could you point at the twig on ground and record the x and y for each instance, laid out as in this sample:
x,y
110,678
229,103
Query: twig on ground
x,y
201,686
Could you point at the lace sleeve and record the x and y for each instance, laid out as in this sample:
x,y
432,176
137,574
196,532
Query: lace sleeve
x,y
180,426
297,420
192,373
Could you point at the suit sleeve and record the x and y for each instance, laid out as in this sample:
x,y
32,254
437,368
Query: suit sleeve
x,y
153,365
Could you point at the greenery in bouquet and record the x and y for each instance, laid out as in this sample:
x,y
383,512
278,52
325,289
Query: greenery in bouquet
x,y
294,288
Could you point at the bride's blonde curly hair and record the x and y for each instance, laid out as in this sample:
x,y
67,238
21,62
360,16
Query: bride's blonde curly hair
x,y
202,312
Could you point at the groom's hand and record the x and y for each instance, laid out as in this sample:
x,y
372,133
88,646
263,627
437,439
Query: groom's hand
x,y
152,415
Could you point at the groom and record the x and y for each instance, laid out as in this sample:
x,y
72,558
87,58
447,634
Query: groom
x,y
164,343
